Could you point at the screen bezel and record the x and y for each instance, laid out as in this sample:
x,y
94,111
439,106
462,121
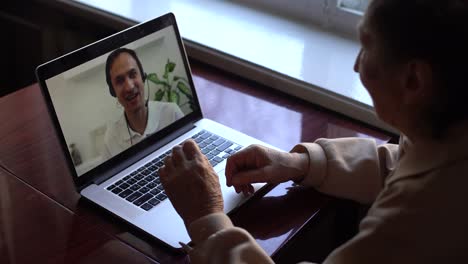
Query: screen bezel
x,y
94,50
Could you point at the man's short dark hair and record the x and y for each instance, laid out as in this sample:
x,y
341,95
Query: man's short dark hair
x,y
433,31
110,60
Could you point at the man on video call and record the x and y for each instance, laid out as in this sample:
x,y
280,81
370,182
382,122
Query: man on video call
x,y
126,78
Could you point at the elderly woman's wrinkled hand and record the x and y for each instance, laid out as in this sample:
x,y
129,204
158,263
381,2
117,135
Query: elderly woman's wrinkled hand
x,y
191,183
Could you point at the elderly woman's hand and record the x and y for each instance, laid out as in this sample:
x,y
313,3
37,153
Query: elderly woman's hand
x,y
191,183
257,163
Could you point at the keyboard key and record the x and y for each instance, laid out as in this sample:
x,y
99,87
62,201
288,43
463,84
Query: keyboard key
x,y
135,187
213,163
146,207
202,145
160,187
133,173
146,172
213,138
225,156
155,191
217,159
160,164
144,189
224,146
119,182
206,135
151,185
139,177
124,185
229,151
168,152
149,164
209,156
116,190
161,196
219,142
141,169
131,181
153,201
215,152
111,187
153,168
205,151
198,140
150,178
211,147
126,177
142,199
142,183
125,193
132,197
237,148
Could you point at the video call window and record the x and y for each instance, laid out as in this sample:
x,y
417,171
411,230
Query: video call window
x,y
102,110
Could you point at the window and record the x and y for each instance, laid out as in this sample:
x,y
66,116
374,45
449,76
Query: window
x,y
343,15
338,15
357,6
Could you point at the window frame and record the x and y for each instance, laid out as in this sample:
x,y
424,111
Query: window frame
x,y
341,19
325,13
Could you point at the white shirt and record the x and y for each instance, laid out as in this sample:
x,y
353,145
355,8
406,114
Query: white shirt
x,y
119,136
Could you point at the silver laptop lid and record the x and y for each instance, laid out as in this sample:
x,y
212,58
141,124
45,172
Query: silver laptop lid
x,y
99,95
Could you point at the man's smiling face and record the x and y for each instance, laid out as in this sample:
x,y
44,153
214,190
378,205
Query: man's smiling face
x,y
127,82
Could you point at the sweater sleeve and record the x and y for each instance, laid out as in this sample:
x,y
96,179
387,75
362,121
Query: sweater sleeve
x,y
216,240
351,168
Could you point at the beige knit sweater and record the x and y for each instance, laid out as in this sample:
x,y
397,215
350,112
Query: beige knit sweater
x,y
419,196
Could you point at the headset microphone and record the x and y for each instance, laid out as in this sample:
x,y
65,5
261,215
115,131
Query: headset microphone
x,y
147,88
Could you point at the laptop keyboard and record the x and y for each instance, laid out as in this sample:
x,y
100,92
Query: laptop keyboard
x,y
143,187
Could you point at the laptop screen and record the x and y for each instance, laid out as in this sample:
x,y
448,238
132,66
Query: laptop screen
x,y
117,100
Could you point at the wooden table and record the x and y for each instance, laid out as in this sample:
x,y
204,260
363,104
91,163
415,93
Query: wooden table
x,y
43,219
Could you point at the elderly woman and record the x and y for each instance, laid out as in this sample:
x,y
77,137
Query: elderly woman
x,y
412,62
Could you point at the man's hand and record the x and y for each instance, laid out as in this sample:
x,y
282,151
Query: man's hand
x,y
191,183
260,164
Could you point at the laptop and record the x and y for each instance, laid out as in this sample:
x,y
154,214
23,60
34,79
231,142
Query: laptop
x,y
92,107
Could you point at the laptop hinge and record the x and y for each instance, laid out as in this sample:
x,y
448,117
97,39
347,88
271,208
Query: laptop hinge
x,y
112,172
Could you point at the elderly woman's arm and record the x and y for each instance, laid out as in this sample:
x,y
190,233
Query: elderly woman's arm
x,y
330,165
352,168
218,241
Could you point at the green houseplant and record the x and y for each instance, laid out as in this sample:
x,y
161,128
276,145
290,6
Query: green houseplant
x,y
171,87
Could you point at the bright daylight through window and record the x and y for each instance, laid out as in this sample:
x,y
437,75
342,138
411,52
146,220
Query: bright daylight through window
x,y
358,6
343,15
337,15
